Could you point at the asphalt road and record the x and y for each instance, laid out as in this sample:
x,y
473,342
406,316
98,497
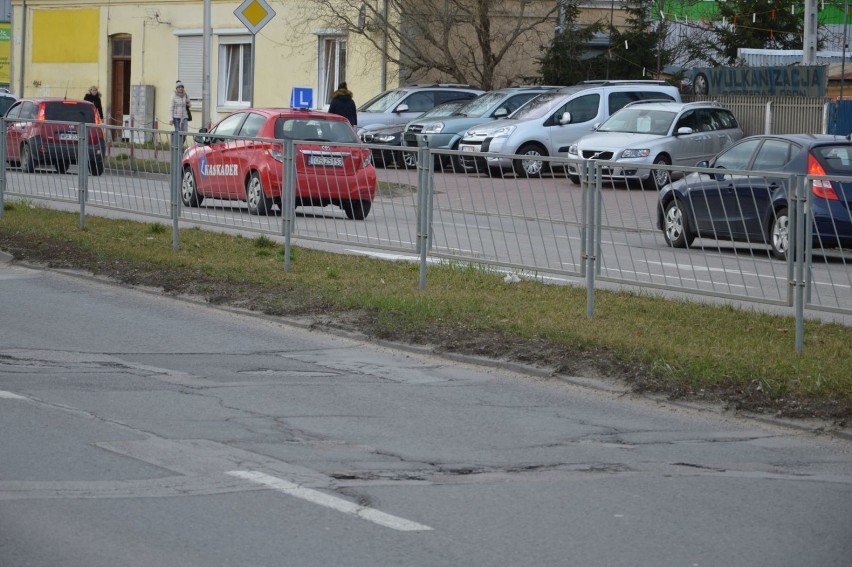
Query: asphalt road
x,y
142,430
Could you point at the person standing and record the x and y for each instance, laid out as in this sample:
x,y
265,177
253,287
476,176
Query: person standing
x,y
94,96
343,104
180,108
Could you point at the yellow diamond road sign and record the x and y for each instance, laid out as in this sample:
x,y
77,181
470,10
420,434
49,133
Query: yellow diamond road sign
x,y
254,14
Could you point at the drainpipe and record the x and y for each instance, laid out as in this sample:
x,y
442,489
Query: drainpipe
x,y
23,47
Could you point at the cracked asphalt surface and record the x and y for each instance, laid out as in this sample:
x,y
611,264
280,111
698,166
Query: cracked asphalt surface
x,y
134,424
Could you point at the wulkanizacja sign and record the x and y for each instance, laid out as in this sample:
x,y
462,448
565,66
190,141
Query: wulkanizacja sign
x,y
793,80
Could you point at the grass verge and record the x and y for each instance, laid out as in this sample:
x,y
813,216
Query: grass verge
x,y
743,359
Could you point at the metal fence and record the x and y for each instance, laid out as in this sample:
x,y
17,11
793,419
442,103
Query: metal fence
x,y
775,114
597,233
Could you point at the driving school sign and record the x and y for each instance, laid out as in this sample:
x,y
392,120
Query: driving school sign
x,y
254,14
793,80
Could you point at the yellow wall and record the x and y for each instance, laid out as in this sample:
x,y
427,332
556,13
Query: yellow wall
x,y
5,45
286,50
65,36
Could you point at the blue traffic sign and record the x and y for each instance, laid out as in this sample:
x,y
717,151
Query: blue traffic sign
x,y
302,97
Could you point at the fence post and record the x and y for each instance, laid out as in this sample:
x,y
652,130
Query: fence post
x,y
768,120
2,165
425,180
799,232
82,170
175,185
288,198
593,187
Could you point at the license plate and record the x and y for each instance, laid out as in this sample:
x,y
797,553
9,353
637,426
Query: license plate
x,y
67,136
325,160
468,148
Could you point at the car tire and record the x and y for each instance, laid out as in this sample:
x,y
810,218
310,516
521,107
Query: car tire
x,y
779,233
96,167
257,201
356,209
409,160
61,167
676,229
189,189
27,160
528,165
700,84
661,177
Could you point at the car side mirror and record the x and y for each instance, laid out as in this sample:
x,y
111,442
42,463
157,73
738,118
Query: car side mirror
x,y
684,130
401,108
501,112
565,118
203,140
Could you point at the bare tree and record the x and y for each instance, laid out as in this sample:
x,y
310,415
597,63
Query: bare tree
x,y
489,43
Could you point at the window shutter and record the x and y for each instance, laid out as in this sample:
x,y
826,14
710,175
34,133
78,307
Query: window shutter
x,y
190,62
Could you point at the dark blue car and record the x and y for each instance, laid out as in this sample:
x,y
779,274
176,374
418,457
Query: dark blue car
x,y
734,204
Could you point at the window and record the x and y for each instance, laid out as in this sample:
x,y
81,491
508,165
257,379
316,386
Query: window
x,y
229,126
235,70
252,125
582,108
772,155
737,157
190,64
332,66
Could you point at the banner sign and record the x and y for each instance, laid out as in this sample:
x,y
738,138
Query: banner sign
x,y
793,80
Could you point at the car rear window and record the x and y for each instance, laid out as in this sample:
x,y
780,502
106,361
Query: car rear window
x,y
315,130
835,159
65,111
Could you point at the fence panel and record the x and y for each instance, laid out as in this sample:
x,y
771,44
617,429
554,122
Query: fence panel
x,y
787,115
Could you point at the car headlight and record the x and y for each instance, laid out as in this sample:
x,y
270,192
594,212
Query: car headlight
x,y
503,132
636,153
572,150
277,155
385,138
433,128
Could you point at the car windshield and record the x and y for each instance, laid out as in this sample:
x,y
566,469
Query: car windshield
x,y
639,121
314,130
541,105
481,105
67,111
446,109
382,102
837,159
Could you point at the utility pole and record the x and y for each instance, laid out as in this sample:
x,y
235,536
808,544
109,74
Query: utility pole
x,y
205,68
809,48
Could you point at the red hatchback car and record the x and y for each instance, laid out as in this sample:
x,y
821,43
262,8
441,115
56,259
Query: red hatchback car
x,y
251,170
45,132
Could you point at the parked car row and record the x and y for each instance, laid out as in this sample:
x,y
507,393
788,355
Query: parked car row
x,y
638,127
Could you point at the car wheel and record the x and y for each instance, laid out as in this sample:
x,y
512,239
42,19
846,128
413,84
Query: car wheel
x,y
96,167
356,209
661,177
27,161
700,85
409,160
676,225
779,234
257,201
530,165
189,190
61,166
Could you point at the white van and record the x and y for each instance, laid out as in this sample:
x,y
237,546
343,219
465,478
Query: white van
x,y
548,124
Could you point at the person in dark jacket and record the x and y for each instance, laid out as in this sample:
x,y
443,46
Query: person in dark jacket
x,y
94,97
342,104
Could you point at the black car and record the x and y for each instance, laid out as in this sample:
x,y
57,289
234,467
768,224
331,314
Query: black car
x,y
391,136
745,198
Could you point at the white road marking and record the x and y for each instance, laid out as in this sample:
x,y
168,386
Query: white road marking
x,y
328,501
11,396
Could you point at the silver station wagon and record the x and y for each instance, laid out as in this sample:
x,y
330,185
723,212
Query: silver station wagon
x,y
656,133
